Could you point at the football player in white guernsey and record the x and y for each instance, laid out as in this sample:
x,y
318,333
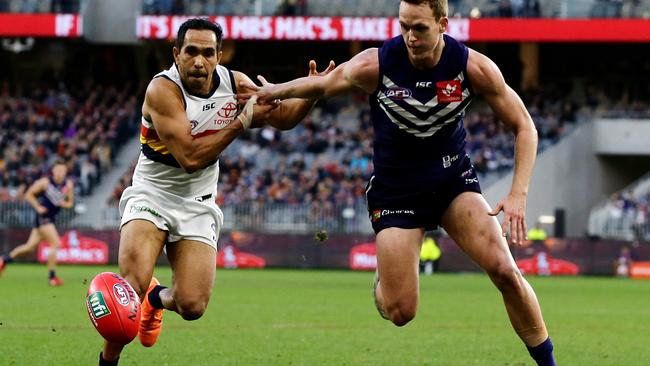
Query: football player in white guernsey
x,y
398,77
189,116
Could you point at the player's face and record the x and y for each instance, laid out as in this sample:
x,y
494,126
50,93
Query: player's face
x,y
59,172
197,59
421,32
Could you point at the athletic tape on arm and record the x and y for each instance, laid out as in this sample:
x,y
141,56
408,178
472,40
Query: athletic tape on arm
x,y
246,115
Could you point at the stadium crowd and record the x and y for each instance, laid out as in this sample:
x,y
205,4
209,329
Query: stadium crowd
x,y
45,124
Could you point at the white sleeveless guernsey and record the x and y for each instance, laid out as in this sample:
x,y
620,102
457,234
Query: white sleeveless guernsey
x,y
207,114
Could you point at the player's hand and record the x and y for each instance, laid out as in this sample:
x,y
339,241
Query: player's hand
x,y
264,93
514,219
41,210
314,72
260,110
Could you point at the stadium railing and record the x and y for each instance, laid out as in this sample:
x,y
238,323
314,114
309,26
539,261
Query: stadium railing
x,y
267,218
19,214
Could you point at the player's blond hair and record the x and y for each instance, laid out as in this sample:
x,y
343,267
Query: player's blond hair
x,y
439,7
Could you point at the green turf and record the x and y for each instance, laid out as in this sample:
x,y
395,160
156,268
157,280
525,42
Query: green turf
x,y
294,317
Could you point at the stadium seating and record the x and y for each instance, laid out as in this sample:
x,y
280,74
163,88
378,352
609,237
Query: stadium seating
x,y
84,129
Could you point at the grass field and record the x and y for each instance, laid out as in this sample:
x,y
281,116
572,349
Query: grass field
x,y
298,317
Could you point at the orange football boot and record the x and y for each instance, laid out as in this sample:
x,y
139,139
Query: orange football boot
x,y
150,319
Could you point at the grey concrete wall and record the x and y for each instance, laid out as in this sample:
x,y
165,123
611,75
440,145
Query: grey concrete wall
x,y
622,136
572,176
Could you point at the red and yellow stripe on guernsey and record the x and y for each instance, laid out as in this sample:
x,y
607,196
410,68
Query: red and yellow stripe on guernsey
x,y
149,137
154,149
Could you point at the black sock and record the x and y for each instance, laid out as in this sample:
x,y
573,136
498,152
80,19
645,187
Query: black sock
x,y
52,274
7,259
543,353
103,362
154,297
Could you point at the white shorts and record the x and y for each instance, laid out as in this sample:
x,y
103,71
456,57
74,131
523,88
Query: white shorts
x,y
196,218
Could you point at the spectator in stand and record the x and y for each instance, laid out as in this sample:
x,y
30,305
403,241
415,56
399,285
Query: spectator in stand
x,y
504,10
532,9
64,6
517,7
287,7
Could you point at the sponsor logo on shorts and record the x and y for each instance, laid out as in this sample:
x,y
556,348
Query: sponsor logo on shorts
x,y
377,214
467,173
150,210
447,160
121,295
471,180
97,305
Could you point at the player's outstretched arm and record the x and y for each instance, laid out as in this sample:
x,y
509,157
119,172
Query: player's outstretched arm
x,y
360,72
283,115
487,80
163,105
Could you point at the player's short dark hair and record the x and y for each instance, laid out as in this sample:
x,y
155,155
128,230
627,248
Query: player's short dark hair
x,y
199,24
439,7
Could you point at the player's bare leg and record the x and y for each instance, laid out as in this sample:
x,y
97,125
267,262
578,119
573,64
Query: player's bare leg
x,y
140,245
28,247
21,250
398,255
479,235
49,234
194,266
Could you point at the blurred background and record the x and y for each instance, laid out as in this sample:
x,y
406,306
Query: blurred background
x,y
73,74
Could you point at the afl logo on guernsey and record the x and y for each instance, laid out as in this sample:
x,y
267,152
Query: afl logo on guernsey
x,y
449,91
398,93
